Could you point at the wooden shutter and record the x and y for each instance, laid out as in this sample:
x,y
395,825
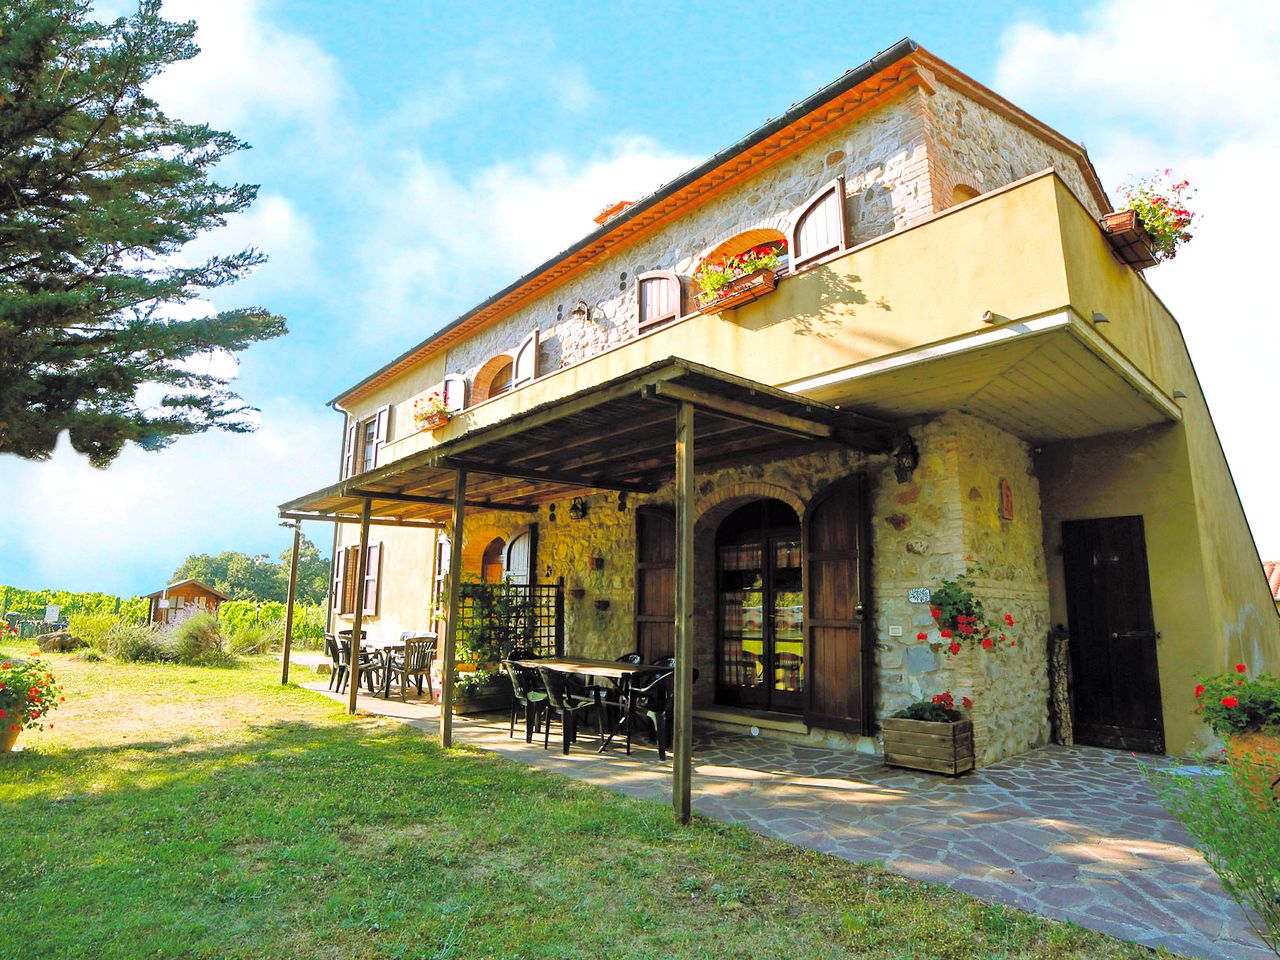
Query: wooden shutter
x,y
659,298
349,580
349,457
454,391
372,579
439,595
525,366
381,434
818,227
519,564
339,560
655,583
838,654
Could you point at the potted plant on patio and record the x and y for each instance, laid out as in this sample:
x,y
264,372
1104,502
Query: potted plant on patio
x,y
930,735
962,620
28,691
430,412
733,281
494,619
1245,711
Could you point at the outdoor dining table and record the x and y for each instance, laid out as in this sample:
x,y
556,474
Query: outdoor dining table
x,y
618,670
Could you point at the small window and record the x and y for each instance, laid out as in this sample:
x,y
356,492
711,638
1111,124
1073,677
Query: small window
x,y
365,440
659,298
345,568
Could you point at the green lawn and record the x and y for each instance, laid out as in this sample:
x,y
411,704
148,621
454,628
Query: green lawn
x,y
182,812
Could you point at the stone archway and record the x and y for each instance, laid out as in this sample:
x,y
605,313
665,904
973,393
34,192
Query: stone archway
x,y
474,544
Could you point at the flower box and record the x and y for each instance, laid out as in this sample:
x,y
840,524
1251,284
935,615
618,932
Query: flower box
x,y
741,291
432,421
1129,239
928,745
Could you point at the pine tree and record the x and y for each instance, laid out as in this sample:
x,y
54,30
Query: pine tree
x,y
98,191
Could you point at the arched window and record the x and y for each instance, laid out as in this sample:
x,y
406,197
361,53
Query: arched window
x,y
962,192
742,242
659,297
491,566
493,378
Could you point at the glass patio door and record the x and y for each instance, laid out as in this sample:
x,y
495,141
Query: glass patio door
x,y
761,610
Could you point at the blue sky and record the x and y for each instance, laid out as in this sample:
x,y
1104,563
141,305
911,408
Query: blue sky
x,y
415,157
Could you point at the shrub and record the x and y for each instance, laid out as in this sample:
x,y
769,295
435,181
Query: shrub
x,y
1238,832
1234,703
250,638
308,621
197,642
92,628
137,643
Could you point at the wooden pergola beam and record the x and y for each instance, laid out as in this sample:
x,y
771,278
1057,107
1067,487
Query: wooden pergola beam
x,y
549,476
682,739
438,501
352,518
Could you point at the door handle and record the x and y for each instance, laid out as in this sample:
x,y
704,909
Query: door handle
x,y
1137,635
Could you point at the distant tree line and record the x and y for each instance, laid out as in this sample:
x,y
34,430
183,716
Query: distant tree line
x,y
245,577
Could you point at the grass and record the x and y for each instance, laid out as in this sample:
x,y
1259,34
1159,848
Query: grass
x,y
194,812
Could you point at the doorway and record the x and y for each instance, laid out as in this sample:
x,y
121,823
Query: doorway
x,y
1115,670
760,608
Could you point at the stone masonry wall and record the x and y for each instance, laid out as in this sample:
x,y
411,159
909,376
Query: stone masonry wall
x,y
944,520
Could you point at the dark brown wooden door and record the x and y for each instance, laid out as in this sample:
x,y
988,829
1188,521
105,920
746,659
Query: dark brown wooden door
x,y
837,575
655,609
1115,674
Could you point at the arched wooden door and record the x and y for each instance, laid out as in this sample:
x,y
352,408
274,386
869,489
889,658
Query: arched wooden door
x,y
838,577
655,583
520,556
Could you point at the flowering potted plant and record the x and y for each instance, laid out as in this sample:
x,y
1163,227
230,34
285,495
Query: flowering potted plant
x,y
962,620
28,691
430,412
1154,221
1246,712
732,281
930,735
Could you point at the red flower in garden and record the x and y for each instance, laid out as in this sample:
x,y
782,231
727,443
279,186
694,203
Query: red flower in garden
x,y
987,643
933,612
1230,702
922,636
1241,668
955,648
1008,619
1199,690
966,702
946,634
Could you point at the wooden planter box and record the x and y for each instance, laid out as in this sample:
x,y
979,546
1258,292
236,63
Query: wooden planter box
x,y
1129,239
433,422
926,745
487,699
741,291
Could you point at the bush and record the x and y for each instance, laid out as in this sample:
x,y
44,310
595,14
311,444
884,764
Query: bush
x,y
92,628
1235,703
197,642
308,623
251,638
137,643
1238,830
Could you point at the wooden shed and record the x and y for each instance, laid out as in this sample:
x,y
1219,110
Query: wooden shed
x,y
180,600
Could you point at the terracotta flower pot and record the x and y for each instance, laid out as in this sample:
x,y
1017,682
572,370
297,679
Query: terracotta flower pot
x,y
8,737
741,291
1257,754
433,422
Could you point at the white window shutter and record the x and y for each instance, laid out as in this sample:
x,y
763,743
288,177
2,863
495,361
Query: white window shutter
x,y
372,579
381,434
349,455
454,391
339,557
525,367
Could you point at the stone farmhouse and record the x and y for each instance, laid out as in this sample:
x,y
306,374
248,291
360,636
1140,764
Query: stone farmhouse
x,y
953,368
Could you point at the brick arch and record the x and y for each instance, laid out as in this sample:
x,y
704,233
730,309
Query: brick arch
x,y
482,379
748,234
474,544
722,501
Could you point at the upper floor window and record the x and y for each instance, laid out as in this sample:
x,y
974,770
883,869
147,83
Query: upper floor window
x,y
365,440
506,371
659,297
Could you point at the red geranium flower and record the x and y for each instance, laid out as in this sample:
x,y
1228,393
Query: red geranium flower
x,y
1230,702
987,643
955,648
933,612
1008,619
922,636
1241,668
966,702
946,634
1199,690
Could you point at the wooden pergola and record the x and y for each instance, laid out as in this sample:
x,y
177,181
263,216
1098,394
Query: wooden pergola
x,y
631,434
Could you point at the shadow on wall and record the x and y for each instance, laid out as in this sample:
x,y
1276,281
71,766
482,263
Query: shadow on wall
x,y
835,299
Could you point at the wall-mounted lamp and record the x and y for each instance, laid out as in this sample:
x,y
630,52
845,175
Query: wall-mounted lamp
x,y
578,509
905,459
1100,317
990,317
581,312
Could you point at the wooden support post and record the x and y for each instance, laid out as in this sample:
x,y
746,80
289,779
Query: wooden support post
x,y
449,658
357,613
682,745
289,600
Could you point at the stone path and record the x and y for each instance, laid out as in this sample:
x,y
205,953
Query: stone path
x,y
1073,833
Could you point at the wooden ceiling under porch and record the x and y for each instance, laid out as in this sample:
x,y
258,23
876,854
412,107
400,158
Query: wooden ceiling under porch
x,y
617,435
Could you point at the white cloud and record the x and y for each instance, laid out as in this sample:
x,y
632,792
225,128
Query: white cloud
x,y
434,234
132,524
1215,119
274,226
248,70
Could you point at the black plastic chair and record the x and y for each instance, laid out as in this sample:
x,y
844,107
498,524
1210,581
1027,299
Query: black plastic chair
x,y
370,664
413,664
566,705
527,695
653,703
338,668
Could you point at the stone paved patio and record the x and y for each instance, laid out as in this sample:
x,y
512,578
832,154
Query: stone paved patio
x,y
1073,833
